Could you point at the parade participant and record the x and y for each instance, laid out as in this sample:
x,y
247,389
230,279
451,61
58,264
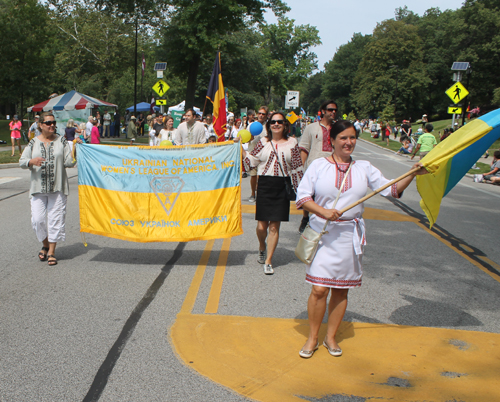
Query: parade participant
x,y
48,156
191,131
337,264
261,118
426,142
277,159
168,132
315,142
15,134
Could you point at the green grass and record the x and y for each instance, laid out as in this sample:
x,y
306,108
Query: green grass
x,y
6,158
483,168
393,145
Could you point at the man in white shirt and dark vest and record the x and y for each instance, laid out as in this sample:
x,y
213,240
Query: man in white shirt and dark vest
x,y
315,142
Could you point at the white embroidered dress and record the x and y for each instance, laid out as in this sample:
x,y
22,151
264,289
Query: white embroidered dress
x,y
337,263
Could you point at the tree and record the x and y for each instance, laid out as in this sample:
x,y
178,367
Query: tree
x,y
197,29
289,58
310,93
341,70
481,47
394,54
27,56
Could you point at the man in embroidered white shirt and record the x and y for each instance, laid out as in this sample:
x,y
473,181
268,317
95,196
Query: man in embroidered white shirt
x,y
315,142
191,131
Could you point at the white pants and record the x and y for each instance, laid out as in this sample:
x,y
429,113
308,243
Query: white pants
x,y
48,216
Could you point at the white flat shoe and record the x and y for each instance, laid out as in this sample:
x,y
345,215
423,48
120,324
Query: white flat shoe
x,y
332,351
306,354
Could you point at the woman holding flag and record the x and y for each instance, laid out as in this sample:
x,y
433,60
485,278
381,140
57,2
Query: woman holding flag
x,y
330,184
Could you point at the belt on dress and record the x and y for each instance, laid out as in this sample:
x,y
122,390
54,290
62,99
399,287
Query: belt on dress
x,y
359,234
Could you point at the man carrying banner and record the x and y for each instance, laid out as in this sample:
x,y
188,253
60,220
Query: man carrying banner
x,y
191,131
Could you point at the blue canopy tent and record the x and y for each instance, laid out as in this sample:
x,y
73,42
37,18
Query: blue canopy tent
x,y
143,107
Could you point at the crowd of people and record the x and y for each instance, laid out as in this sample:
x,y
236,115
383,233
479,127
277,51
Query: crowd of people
x,y
317,172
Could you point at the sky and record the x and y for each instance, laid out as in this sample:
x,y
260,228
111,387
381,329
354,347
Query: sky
x,y
337,20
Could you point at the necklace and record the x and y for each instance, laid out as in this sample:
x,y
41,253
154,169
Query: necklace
x,y
338,168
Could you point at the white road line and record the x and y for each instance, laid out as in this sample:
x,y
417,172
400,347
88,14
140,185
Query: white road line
x,y
4,180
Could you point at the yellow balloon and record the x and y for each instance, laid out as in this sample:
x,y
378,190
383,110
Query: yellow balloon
x,y
245,136
166,143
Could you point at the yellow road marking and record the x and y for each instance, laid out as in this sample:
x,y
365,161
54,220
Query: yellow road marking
x,y
435,364
190,299
381,361
213,298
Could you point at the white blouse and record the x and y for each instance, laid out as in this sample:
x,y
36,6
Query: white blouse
x,y
51,176
263,157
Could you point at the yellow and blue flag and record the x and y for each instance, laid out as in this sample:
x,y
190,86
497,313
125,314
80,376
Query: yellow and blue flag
x,y
149,194
450,160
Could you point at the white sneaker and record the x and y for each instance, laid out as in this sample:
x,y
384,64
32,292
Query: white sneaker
x,y
262,257
268,269
251,199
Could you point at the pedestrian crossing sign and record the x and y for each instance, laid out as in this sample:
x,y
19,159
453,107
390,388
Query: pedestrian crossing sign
x,y
161,87
454,110
161,102
457,92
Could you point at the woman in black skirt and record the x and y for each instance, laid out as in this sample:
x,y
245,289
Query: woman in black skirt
x,y
273,206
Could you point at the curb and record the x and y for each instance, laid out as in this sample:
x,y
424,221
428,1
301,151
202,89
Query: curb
x,y
9,165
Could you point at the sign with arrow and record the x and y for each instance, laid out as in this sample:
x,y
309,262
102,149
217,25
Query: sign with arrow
x,y
454,110
292,99
161,102
161,87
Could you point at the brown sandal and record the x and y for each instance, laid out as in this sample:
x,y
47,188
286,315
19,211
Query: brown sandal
x,y
52,259
42,255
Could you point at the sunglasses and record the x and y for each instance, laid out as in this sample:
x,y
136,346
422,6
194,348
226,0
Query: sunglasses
x,y
276,122
331,109
49,123
262,113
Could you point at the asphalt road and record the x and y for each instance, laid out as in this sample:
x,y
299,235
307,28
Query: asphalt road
x,y
199,321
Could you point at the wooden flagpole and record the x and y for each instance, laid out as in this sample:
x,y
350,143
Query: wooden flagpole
x,y
366,197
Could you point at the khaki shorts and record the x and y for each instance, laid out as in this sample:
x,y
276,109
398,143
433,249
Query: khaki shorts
x,y
422,154
252,172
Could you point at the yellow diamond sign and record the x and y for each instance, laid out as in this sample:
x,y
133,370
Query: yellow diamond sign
x,y
161,87
454,110
291,117
457,92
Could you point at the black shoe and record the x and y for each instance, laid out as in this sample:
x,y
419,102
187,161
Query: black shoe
x,y
303,225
